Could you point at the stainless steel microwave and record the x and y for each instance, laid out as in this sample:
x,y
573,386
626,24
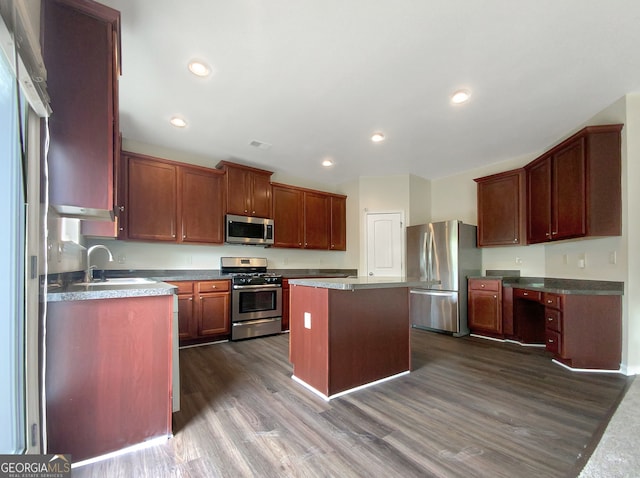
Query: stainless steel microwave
x,y
249,230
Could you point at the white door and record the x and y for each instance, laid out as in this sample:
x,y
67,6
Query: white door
x,y
385,244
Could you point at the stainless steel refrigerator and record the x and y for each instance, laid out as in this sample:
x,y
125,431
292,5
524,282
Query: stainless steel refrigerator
x,y
444,253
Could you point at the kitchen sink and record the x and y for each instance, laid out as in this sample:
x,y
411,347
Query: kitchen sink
x,y
118,281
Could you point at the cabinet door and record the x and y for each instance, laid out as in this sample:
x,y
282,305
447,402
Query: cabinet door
x,y
316,221
539,201
151,206
187,323
202,204
214,314
569,192
485,311
287,217
260,195
338,226
80,45
501,202
285,304
238,190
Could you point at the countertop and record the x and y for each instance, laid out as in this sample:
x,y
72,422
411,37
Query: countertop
x,y
74,291
107,291
560,286
363,282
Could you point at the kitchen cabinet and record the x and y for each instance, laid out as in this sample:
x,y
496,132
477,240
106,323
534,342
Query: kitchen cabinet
x,y
308,219
316,220
203,310
338,229
109,374
502,209
584,331
248,190
81,51
169,201
285,304
151,203
484,308
201,211
288,216
574,190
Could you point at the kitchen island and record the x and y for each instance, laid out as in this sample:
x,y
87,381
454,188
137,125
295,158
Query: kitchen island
x,y
349,332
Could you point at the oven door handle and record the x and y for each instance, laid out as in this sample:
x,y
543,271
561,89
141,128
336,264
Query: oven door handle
x,y
257,321
258,286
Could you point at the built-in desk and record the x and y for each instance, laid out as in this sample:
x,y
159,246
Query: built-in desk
x,y
578,321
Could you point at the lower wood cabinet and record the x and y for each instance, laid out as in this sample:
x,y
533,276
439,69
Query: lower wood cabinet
x,y
484,307
108,376
285,304
203,311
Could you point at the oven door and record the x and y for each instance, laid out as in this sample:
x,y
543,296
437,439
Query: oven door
x,y
252,303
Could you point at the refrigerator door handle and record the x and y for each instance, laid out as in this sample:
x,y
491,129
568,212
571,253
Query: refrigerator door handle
x,y
424,272
432,292
430,258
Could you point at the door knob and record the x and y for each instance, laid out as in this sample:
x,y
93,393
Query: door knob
x,y
370,273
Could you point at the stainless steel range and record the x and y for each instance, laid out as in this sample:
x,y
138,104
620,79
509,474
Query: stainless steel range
x,y
256,297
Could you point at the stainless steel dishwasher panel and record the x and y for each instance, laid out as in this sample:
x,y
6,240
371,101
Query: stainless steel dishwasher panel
x,y
436,310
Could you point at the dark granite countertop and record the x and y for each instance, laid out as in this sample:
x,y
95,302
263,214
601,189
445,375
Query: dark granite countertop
x,y
68,287
560,286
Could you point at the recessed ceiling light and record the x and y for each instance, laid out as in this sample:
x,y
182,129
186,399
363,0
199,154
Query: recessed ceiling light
x,y
199,68
327,163
178,122
377,137
460,96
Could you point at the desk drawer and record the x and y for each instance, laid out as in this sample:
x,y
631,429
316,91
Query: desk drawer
x,y
527,294
553,300
553,319
553,342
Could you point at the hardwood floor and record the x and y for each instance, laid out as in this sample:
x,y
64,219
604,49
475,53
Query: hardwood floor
x,y
469,408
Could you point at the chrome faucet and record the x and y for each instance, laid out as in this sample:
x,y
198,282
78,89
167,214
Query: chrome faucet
x,y
87,274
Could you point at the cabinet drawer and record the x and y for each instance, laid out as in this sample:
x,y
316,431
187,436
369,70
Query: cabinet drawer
x,y
527,294
553,319
184,287
553,342
553,300
485,284
213,286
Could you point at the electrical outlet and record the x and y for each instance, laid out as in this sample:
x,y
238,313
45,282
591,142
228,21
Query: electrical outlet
x,y
122,259
307,320
565,259
518,260
582,260
613,257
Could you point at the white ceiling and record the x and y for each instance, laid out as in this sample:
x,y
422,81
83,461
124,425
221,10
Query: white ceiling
x,y
316,78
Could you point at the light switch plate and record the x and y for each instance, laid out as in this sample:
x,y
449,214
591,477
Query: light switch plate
x,y
307,320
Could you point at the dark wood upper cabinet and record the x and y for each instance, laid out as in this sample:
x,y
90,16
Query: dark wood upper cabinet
x,y
338,230
81,50
574,190
150,209
287,216
201,211
316,220
169,201
248,190
309,219
501,209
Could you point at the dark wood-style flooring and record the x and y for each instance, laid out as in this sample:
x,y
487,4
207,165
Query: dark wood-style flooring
x,y
470,408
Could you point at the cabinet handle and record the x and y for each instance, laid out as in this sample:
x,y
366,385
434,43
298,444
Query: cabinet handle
x,y
495,296
554,233
549,301
213,286
550,319
547,234
121,208
173,235
184,236
191,298
550,341
515,240
482,286
525,293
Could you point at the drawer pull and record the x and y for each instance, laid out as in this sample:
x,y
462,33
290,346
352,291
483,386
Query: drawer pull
x,y
525,293
550,319
482,285
550,341
549,301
